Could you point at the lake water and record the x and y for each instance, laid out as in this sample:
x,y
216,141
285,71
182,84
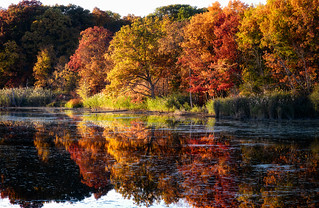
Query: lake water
x,y
63,158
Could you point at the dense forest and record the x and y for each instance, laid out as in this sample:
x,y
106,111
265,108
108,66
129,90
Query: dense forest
x,y
201,53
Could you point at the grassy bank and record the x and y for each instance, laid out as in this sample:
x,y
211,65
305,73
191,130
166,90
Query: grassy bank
x,y
275,105
173,103
102,101
23,97
278,105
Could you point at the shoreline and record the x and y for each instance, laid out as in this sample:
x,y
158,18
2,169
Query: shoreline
x,y
177,114
115,111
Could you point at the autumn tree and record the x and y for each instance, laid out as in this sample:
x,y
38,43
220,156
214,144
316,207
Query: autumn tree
x,y
291,32
130,18
210,56
170,46
51,28
256,77
14,23
63,78
108,19
145,162
139,65
211,170
11,64
89,61
43,67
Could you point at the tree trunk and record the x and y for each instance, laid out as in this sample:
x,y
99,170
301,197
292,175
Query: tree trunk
x,y
152,90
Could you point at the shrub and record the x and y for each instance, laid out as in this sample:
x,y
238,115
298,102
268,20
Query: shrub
x,y
280,105
103,101
197,109
96,101
169,103
39,97
158,104
4,100
237,107
314,98
210,107
74,103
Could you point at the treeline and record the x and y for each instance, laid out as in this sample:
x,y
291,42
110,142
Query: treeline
x,y
30,31
178,49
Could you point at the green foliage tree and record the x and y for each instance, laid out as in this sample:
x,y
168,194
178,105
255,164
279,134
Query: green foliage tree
x,y
81,18
15,21
51,28
177,12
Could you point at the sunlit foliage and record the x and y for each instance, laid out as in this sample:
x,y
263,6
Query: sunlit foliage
x,y
89,61
210,50
138,63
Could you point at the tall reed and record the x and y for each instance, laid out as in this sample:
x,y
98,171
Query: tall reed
x,y
277,105
20,97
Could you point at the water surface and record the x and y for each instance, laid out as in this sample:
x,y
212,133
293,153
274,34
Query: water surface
x,y
63,158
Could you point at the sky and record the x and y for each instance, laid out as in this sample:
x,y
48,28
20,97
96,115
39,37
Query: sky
x,y
125,7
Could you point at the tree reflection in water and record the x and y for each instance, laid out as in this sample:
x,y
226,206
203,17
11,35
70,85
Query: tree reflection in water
x,y
29,181
148,163
210,166
89,152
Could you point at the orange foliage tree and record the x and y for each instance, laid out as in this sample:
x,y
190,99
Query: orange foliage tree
x,y
89,61
210,49
291,32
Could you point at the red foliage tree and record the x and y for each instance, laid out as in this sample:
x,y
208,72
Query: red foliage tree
x,y
89,59
210,49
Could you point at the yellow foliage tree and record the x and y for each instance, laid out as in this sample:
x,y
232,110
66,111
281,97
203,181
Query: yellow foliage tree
x,y
139,65
42,69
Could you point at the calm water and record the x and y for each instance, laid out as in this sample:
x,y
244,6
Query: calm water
x,y
63,158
